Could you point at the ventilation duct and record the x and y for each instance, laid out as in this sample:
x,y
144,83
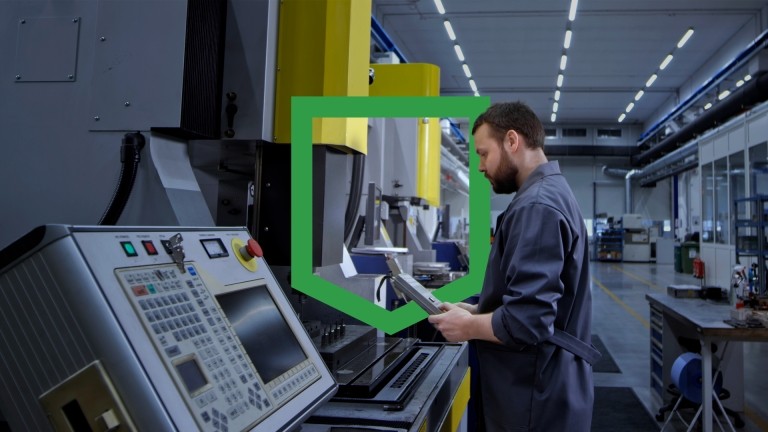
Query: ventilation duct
x,y
628,190
615,172
627,175
685,158
755,91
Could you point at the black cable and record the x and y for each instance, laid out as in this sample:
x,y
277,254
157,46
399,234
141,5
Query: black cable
x,y
355,192
130,156
378,289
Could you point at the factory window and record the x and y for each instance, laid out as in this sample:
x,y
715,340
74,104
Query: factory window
x,y
609,133
550,133
574,132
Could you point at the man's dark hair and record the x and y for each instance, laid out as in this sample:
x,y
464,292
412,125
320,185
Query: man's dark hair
x,y
517,116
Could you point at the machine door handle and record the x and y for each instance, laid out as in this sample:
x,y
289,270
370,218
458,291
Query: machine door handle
x,y
231,110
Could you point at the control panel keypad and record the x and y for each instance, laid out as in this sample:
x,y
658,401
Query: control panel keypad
x,y
185,322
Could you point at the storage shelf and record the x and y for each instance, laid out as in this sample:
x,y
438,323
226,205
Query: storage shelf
x,y
751,233
609,244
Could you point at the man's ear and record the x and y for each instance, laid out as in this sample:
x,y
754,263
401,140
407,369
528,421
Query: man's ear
x,y
514,140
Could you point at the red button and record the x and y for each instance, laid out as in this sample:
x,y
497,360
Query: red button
x,y
149,247
253,249
139,290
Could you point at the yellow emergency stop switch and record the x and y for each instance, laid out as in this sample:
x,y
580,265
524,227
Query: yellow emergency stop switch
x,y
247,252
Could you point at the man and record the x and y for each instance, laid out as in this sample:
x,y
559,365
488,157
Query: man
x,y
532,325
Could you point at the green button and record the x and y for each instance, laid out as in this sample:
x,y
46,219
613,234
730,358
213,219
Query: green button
x,y
129,249
151,288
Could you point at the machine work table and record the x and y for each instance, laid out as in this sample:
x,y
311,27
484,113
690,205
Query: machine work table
x,y
704,320
438,403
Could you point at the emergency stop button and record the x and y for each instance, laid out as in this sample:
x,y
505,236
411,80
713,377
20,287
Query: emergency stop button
x,y
251,250
245,252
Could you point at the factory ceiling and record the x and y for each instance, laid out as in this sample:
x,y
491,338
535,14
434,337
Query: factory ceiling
x,y
514,50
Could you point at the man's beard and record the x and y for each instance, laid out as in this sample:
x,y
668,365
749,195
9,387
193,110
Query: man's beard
x,y
503,181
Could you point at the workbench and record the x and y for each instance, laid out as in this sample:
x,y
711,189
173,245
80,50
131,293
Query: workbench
x,y
703,320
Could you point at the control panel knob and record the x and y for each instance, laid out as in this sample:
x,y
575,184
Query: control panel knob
x,y
251,250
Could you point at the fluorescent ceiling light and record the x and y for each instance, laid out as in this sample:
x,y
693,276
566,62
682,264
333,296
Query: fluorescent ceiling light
x,y
747,77
685,38
466,70
739,83
555,106
459,52
553,117
557,95
666,62
572,11
723,95
439,6
651,80
449,29
559,80
630,106
708,105
622,117
639,95
568,36
563,61
473,85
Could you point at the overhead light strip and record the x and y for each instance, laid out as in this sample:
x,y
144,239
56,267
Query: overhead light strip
x,y
439,6
567,41
449,30
564,57
652,79
459,52
666,62
724,93
457,47
685,37
572,11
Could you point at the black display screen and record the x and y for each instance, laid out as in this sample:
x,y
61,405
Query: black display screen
x,y
192,375
264,333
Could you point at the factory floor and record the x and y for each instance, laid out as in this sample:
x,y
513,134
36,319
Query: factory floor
x,y
621,320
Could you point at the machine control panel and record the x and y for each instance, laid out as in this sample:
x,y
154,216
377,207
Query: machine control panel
x,y
201,350
416,292
172,327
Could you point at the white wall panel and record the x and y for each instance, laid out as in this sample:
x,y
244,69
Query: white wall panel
x,y
736,140
706,153
757,130
720,146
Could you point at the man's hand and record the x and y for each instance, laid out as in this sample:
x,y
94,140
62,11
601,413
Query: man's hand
x,y
455,323
460,323
468,307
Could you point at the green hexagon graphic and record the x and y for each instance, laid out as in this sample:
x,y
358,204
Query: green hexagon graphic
x,y
303,110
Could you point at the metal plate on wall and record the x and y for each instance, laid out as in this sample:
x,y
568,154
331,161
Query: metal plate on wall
x,y
47,49
138,65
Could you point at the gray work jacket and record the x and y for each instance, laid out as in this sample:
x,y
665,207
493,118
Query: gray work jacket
x,y
537,280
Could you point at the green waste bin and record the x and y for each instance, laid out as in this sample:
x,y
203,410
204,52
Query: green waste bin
x,y
678,259
688,251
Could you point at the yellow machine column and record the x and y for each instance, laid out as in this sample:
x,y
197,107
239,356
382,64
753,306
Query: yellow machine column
x,y
323,50
416,79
